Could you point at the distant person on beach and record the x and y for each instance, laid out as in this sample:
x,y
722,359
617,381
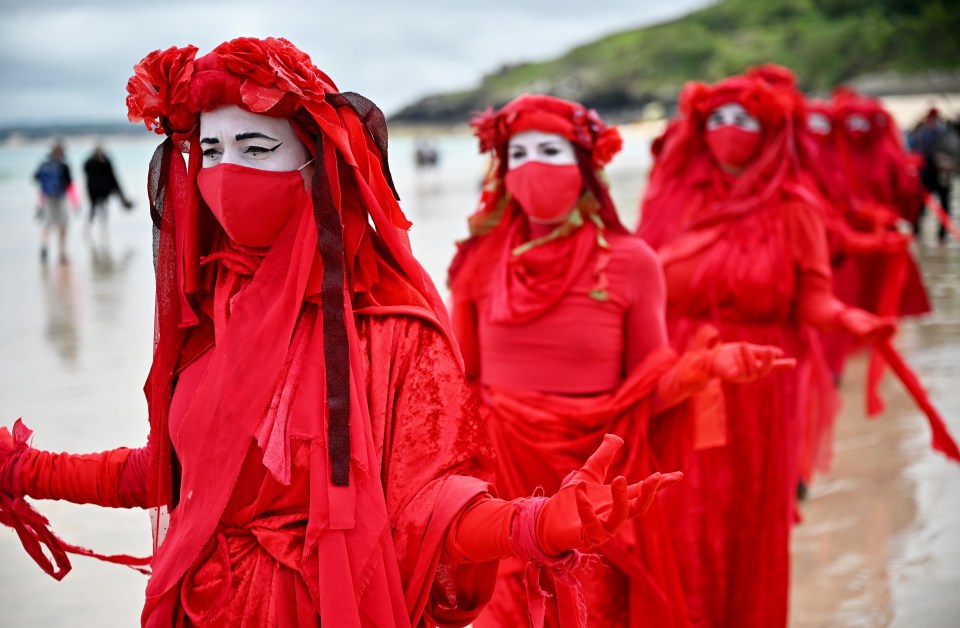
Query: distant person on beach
x,y
102,184
939,144
427,156
53,176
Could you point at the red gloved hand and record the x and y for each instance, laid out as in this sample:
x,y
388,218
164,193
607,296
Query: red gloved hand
x,y
740,362
587,512
865,326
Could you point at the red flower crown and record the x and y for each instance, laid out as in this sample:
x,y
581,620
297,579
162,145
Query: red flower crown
x,y
770,105
572,120
270,76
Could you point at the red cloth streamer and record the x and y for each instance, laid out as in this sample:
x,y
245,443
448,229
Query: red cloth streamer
x,y
942,440
33,528
523,540
890,295
942,215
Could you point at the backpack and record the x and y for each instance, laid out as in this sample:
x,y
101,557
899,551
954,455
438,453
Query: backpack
x,y
52,178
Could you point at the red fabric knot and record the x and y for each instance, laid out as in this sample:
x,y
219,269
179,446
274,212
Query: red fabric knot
x,y
239,264
523,541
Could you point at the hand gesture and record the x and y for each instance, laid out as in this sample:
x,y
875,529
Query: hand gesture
x,y
587,512
740,362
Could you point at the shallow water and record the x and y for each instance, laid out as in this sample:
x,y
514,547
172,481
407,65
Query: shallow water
x,y
877,547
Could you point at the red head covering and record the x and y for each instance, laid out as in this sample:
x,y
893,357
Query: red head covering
x,y
684,172
346,253
498,226
877,167
819,156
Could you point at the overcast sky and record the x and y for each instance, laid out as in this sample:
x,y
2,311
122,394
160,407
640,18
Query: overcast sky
x,y
69,60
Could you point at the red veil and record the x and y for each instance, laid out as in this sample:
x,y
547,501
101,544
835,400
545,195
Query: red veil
x,y
345,254
498,225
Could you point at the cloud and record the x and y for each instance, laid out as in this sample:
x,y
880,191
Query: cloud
x,y
62,60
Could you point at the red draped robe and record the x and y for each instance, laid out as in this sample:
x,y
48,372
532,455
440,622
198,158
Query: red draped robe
x,y
553,385
430,450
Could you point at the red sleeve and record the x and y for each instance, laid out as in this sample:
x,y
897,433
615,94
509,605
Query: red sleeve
x,y
645,327
115,478
816,303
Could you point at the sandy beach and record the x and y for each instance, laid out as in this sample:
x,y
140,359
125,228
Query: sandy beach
x,y
877,546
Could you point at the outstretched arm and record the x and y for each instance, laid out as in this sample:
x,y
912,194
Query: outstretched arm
x,y
585,513
706,358
115,478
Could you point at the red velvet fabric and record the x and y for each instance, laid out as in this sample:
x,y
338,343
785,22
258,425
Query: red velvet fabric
x,y
257,567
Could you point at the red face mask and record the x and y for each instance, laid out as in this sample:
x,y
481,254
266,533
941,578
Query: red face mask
x,y
545,192
733,146
253,206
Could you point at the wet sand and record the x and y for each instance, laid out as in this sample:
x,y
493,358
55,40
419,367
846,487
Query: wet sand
x,y
878,545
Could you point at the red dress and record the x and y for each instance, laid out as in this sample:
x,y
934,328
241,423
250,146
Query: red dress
x,y
756,277
553,385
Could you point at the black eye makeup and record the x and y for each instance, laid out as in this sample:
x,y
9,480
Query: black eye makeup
x,y
260,150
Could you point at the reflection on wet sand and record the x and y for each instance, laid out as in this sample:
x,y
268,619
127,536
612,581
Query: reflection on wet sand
x,y
61,304
878,544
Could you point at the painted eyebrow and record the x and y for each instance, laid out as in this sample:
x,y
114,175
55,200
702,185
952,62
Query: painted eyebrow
x,y
254,135
210,140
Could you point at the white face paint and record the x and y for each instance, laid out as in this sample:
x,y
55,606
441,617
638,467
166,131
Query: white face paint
x,y
819,123
231,135
548,148
856,122
732,114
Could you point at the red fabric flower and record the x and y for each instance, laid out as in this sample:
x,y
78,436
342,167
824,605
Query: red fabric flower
x,y
159,88
484,127
288,70
608,144
269,71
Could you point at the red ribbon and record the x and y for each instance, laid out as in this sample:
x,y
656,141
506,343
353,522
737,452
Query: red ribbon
x,y
942,441
523,540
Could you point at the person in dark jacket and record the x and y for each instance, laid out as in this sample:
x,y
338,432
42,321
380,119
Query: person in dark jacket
x,y
101,183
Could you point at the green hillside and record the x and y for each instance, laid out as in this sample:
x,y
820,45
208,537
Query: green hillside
x,y
826,42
